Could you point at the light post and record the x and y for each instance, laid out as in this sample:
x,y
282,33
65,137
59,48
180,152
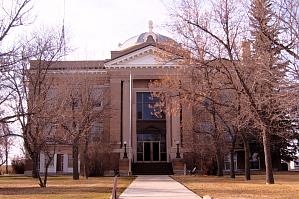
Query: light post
x,y
125,153
178,155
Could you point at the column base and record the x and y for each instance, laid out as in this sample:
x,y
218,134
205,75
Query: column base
x,y
124,167
178,165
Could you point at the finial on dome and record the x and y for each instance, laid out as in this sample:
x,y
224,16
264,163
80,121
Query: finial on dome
x,y
150,26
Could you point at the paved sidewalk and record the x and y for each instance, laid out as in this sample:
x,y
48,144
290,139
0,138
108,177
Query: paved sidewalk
x,y
157,187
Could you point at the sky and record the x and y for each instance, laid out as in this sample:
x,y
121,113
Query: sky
x,y
95,27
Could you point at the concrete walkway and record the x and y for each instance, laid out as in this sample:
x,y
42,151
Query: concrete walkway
x,y
157,187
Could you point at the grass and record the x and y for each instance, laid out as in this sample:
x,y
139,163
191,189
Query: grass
x,y
286,186
63,187
60,187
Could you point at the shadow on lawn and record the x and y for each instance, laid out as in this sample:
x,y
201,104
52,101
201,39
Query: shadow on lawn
x,y
52,190
22,177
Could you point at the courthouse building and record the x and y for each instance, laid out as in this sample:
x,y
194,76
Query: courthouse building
x,y
140,142
135,134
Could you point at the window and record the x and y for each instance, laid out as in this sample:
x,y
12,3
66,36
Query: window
x,y
51,94
50,132
47,160
51,97
97,103
296,164
38,162
73,103
72,98
255,161
97,97
227,162
96,132
206,127
97,128
69,160
146,107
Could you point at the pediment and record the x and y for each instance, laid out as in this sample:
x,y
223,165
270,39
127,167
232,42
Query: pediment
x,y
143,58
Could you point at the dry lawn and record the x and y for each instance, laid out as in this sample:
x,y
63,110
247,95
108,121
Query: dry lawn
x,y
287,186
60,187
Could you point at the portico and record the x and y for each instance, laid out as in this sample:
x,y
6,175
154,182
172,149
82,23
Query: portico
x,y
151,135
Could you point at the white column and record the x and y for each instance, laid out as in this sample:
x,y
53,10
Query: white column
x,y
134,130
53,168
168,135
175,130
175,126
126,112
65,163
42,162
130,125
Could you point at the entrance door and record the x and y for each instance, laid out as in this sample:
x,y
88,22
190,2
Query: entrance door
x,y
147,151
151,151
156,151
59,165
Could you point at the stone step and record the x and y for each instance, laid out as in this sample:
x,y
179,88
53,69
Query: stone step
x,y
152,168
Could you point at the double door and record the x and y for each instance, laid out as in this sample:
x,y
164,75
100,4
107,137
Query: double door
x,y
59,164
151,151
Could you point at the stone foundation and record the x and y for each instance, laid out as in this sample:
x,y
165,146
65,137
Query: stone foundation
x,y
124,167
178,166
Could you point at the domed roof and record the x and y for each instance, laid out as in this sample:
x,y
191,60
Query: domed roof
x,y
149,36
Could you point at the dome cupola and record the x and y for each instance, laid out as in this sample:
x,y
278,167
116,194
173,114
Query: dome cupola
x,y
149,36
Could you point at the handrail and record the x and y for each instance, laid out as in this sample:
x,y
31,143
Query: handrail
x,y
114,189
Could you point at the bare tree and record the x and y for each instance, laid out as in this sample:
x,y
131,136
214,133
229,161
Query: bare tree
x,y
13,15
82,107
44,126
25,89
99,157
286,15
95,137
202,89
266,59
95,151
207,66
5,145
212,129
31,87
214,32
48,150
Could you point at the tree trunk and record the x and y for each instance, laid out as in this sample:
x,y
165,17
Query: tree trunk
x,y
34,165
232,162
41,184
216,136
75,161
6,155
247,156
46,176
219,161
268,160
85,154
